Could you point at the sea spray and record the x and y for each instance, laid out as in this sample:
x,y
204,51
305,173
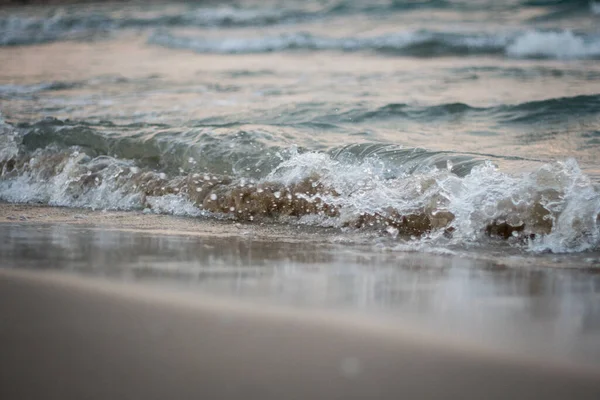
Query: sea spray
x,y
554,208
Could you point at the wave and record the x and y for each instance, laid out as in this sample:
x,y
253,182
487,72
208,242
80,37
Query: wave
x,y
329,116
60,24
554,109
251,154
420,43
562,45
447,199
11,91
70,23
353,6
528,112
562,9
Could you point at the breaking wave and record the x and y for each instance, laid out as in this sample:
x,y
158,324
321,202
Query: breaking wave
x,y
448,199
563,45
529,44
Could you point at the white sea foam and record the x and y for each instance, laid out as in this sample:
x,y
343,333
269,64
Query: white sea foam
x,y
476,200
564,45
173,204
527,44
557,202
34,185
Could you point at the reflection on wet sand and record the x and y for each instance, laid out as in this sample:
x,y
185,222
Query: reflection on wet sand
x,y
535,309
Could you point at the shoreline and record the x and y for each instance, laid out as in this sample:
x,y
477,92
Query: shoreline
x,y
194,308
162,343
371,241
504,302
165,224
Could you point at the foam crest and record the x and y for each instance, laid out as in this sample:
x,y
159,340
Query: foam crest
x,y
564,45
554,208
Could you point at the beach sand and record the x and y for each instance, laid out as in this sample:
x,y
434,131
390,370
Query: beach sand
x,y
126,305
67,338
139,221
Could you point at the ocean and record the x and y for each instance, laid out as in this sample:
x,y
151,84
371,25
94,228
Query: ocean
x,y
385,199
451,127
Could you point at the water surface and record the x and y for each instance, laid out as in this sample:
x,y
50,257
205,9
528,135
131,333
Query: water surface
x,y
440,124
536,312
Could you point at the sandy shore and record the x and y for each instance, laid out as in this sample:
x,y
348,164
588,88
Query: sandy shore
x,y
67,338
126,305
136,221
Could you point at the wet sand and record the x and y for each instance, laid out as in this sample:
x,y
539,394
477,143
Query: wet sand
x,y
65,338
136,221
129,305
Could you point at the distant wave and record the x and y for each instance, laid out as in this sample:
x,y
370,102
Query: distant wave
x,y
27,91
564,45
169,149
352,6
563,9
320,115
63,24
59,25
528,112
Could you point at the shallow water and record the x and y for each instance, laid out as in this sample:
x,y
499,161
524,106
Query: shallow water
x,y
535,311
438,124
